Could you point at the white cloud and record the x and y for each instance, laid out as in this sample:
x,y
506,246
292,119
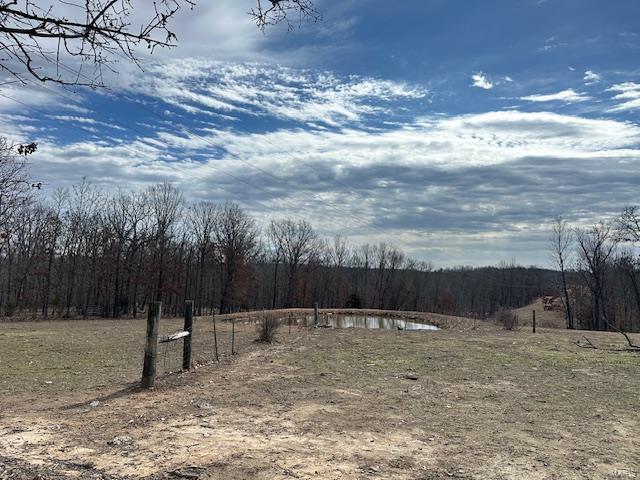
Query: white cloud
x,y
566,96
551,44
628,96
85,120
201,86
591,77
486,139
319,151
480,80
457,177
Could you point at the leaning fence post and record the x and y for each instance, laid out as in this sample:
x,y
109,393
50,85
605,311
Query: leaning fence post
x,y
315,313
188,327
151,348
215,337
534,320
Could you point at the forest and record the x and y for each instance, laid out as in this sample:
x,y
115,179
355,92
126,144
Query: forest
x,y
83,252
87,253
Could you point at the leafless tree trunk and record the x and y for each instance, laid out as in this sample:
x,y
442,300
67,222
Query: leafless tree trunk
x,y
237,240
166,204
596,245
298,243
561,243
203,219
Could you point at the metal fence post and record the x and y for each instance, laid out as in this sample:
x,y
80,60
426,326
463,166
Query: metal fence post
x,y
188,327
534,320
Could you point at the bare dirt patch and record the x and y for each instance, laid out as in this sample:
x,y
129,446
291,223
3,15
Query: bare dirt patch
x,y
472,403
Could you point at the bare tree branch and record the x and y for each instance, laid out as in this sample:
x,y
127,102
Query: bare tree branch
x,y
34,38
588,344
291,12
14,182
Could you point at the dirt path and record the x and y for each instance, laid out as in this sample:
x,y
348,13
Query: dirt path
x,y
349,404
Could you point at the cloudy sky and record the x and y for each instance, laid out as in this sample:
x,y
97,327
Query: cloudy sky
x,y
456,130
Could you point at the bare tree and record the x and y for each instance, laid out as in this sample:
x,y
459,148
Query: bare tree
x,y
81,209
166,203
596,245
237,240
51,243
203,219
14,183
628,231
298,244
36,36
628,225
338,254
388,260
561,243
126,217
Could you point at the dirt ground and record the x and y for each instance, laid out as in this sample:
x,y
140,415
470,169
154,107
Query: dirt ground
x,y
470,401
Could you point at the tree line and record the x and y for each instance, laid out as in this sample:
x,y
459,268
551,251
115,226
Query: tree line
x,y
85,252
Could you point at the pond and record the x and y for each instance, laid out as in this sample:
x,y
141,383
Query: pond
x,y
370,322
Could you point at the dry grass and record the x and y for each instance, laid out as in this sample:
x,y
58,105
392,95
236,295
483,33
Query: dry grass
x,y
544,318
487,404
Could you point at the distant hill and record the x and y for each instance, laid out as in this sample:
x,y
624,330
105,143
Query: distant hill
x,y
544,318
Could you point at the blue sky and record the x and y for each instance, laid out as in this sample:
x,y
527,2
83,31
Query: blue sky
x,y
455,130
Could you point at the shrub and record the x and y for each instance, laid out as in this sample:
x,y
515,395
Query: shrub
x,y
267,329
10,307
507,319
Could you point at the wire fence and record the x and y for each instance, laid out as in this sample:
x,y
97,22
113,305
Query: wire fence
x,y
218,339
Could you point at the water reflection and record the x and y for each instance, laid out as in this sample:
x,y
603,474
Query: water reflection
x,y
352,321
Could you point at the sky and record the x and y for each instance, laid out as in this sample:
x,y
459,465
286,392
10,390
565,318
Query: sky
x,y
455,130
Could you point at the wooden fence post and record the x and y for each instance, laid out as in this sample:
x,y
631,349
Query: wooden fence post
x,y
315,313
151,348
215,337
534,320
188,327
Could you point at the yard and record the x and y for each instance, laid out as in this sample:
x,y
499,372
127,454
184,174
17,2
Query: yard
x,y
469,401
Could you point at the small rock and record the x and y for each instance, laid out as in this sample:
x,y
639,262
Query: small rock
x,y
121,441
203,404
411,376
94,404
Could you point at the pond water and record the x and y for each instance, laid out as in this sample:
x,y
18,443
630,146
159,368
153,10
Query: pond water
x,y
370,322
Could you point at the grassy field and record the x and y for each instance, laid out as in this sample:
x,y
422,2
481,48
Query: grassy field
x,y
462,402
544,318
